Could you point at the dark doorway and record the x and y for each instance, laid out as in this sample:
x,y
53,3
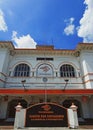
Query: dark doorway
x,y
11,107
67,103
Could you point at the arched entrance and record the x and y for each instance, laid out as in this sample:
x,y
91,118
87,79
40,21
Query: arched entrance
x,y
11,107
67,103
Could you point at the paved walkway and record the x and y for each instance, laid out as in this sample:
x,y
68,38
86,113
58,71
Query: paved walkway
x,y
84,127
57,128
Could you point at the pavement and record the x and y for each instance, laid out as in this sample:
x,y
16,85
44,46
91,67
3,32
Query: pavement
x,y
83,127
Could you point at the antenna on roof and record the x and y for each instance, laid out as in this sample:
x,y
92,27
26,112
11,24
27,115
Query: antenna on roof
x,y
52,41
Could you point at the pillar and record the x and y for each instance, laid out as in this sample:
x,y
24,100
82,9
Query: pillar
x,y
72,116
19,117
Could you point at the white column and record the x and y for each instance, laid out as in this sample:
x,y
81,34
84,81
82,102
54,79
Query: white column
x,y
72,116
19,117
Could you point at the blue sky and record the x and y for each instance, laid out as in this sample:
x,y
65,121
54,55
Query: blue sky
x,y
62,23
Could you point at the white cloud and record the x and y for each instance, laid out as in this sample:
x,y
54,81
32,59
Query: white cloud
x,y
85,30
23,41
3,26
70,27
69,30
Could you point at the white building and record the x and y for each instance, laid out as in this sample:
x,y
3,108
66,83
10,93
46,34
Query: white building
x,y
45,74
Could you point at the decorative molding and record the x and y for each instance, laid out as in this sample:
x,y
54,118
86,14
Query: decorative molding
x,y
87,75
50,91
12,52
77,53
7,44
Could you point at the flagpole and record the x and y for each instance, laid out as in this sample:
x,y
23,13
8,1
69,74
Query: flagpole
x,y
45,94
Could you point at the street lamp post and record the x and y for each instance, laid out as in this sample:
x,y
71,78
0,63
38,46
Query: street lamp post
x,y
45,80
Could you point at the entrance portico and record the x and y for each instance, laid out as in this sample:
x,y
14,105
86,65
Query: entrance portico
x,y
61,97
46,115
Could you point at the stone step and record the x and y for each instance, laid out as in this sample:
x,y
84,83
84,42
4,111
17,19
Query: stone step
x,y
45,128
6,127
90,127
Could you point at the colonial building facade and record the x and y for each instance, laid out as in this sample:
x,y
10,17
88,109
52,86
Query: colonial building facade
x,y
45,74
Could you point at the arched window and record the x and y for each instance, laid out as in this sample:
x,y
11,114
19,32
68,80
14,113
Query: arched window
x,y
22,70
67,71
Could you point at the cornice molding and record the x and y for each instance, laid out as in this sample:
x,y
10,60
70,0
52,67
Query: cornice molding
x,y
84,46
7,44
46,50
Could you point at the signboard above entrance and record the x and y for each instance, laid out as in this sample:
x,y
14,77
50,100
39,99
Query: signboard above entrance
x,y
46,115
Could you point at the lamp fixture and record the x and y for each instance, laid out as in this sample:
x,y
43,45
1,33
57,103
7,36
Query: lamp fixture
x,y
66,82
23,82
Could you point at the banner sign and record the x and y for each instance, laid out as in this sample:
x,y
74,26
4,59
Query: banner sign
x,y
46,115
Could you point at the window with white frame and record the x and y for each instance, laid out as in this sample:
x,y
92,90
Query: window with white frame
x,y
22,70
67,70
